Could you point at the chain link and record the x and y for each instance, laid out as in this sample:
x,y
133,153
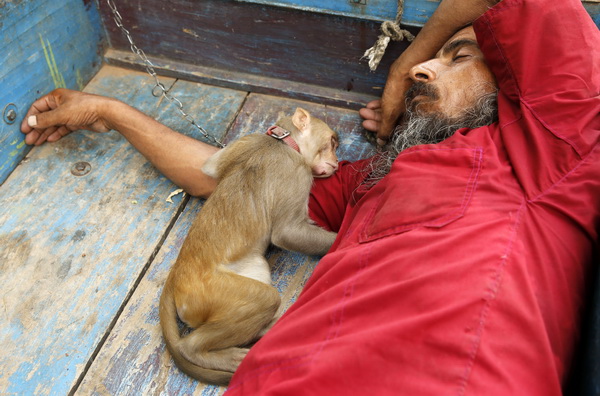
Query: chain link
x,y
159,88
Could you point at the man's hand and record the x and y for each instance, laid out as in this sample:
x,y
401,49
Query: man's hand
x,y
449,17
382,115
61,112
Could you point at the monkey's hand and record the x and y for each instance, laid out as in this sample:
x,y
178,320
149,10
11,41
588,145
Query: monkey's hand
x,y
62,111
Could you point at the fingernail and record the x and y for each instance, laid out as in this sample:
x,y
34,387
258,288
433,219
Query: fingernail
x,y
380,142
32,121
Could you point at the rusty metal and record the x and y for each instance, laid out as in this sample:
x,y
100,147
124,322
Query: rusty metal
x,y
81,168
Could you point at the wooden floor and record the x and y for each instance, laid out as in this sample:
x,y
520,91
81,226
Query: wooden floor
x,y
83,258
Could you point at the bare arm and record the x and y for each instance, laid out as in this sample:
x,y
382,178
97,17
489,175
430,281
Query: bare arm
x,y
450,16
178,157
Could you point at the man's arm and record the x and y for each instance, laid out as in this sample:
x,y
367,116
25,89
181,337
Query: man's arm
x,y
179,157
450,16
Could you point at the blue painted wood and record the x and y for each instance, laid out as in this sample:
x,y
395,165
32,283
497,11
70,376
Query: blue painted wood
x,y
593,8
416,12
45,44
273,42
72,248
134,359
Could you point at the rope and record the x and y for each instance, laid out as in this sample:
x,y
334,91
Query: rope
x,y
390,30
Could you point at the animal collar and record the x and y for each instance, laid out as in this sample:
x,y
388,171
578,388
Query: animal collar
x,y
279,133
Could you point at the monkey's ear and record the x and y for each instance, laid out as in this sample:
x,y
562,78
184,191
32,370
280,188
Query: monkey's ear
x,y
301,119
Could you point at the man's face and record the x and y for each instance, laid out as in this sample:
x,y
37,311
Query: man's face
x,y
451,83
454,90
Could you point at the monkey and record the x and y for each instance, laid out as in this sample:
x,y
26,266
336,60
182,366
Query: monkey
x,y
220,284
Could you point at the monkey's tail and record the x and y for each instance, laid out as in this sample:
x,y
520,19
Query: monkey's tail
x,y
172,336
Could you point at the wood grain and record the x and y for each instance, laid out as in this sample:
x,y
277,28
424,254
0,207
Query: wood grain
x,y
286,44
73,248
45,45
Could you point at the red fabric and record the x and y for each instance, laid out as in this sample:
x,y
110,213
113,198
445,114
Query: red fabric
x,y
462,271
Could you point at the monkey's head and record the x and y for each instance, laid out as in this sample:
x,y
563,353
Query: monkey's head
x,y
317,143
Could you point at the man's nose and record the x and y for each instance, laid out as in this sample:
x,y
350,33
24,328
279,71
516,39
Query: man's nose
x,y
424,72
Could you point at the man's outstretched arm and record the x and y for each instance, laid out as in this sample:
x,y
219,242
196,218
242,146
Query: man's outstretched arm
x,y
179,157
450,17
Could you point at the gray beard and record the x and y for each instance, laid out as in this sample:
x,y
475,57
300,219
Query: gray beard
x,y
419,129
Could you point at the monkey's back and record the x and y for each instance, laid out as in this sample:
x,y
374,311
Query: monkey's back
x,y
261,179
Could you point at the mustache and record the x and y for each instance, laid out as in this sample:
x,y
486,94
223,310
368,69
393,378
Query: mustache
x,y
421,88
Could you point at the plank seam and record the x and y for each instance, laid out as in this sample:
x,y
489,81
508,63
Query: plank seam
x,y
234,119
243,81
129,295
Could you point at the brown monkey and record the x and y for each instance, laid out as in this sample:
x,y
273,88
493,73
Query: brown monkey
x,y
220,285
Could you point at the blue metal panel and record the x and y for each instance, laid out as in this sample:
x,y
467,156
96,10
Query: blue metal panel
x,y
45,45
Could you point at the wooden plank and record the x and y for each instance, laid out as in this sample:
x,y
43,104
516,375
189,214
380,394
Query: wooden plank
x,y
297,46
72,248
258,44
378,10
134,359
45,44
416,12
593,8
243,81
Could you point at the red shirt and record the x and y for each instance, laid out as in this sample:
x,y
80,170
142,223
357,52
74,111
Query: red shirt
x,y
462,271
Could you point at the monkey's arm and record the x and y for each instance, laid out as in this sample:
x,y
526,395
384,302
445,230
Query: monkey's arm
x,y
303,237
178,157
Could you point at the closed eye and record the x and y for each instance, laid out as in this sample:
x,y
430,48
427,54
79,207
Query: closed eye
x,y
457,58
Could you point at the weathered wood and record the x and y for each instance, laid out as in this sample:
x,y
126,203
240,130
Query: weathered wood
x,y
134,360
242,81
45,44
72,248
293,45
259,44
415,13
593,8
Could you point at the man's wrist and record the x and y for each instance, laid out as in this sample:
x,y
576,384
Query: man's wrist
x,y
109,111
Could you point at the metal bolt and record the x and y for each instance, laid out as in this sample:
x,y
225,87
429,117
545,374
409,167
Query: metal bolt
x,y
81,168
10,113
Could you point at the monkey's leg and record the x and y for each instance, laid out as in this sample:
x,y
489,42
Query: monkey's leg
x,y
303,237
253,266
240,308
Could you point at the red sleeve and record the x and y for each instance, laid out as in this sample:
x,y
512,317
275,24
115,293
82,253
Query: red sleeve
x,y
552,66
549,79
330,197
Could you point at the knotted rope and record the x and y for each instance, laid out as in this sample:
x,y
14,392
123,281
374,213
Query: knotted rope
x,y
390,31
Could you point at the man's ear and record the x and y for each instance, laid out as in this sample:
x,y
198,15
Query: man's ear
x,y
301,119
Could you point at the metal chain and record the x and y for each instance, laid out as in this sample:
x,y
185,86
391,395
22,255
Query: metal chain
x,y
159,88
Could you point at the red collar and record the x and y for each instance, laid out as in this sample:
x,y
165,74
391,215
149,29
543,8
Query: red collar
x,y
279,133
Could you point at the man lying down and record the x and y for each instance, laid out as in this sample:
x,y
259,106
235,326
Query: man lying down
x,y
461,257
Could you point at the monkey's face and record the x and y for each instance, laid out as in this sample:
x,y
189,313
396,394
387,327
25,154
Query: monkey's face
x,y
325,161
317,143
